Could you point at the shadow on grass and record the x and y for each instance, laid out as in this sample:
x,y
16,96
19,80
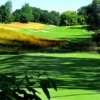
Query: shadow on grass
x,y
69,72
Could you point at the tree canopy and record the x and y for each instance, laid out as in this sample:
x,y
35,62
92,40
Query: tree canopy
x,y
5,12
69,18
96,12
33,14
89,14
84,14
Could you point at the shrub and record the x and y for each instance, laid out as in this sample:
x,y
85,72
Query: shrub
x,y
12,88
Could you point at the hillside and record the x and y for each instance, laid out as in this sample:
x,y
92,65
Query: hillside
x,y
49,31
35,35
11,40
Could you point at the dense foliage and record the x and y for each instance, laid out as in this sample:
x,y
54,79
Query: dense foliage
x,y
69,18
89,14
26,14
84,14
12,88
5,12
96,12
33,14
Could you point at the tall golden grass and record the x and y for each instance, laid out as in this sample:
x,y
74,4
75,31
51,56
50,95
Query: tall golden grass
x,y
14,38
17,25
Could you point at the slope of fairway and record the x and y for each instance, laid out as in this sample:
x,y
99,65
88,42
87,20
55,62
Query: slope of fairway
x,y
60,32
77,74
10,39
49,31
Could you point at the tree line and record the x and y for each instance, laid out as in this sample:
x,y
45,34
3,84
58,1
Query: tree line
x,y
89,14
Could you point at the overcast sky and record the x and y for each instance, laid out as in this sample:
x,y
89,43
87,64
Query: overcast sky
x,y
57,5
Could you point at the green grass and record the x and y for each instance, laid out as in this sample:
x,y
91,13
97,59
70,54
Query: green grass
x,y
51,31
77,74
73,94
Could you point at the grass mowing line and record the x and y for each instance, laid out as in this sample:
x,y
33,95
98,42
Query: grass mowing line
x,y
75,55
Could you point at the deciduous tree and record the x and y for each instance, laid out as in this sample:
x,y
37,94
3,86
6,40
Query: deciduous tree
x,y
96,12
69,18
5,12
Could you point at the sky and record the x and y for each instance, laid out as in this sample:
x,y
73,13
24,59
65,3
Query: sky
x,y
57,5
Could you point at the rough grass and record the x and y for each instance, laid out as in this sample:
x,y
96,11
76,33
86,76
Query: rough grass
x,y
10,37
76,74
49,31
31,34
17,25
